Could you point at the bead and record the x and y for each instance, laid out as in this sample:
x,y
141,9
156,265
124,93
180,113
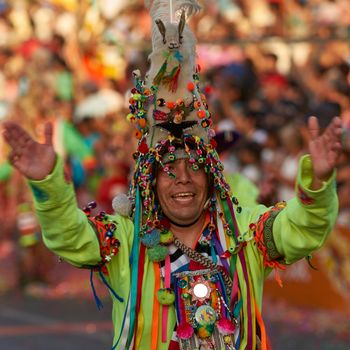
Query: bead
x,y
180,102
138,134
183,284
197,104
161,102
92,205
185,296
235,200
142,123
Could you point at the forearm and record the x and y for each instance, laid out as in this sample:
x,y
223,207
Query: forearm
x,y
65,228
304,224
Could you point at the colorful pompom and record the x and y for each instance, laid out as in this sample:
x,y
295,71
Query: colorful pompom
x,y
225,326
184,330
121,204
166,296
166,237
151,239
206,331
157,253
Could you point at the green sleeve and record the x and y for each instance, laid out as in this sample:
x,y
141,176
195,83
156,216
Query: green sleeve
x,y
66,230
306,221
5,171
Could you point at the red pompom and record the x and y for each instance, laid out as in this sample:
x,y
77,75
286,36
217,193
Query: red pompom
x,y
201,114
191,86
225,326
184,330
171,105
143,147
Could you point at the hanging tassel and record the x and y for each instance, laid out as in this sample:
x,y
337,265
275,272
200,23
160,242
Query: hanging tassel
x,y
158,78
109,287
134,259
174,79
278,278
122,328
97,299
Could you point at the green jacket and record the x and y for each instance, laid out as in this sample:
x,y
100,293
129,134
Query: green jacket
x,y
298,229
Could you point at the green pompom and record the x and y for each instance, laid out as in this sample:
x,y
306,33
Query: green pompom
x,y
151,239
166,237
166,296
157,253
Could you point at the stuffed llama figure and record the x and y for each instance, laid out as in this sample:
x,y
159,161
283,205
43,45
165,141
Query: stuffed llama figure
x,y
172,77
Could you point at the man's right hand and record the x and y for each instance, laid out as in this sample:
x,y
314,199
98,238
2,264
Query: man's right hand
x,y
34,160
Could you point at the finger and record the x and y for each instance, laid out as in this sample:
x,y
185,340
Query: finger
x,y
335,130
16,133
314,128
10,139
13,159
48,133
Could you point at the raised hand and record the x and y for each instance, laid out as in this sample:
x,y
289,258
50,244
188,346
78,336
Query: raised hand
x,y
34,160
324,149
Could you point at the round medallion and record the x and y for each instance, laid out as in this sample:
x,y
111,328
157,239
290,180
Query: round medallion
x,y
205,315
200,290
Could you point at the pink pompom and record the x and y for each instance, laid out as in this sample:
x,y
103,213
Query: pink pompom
x,y
184,330
225,326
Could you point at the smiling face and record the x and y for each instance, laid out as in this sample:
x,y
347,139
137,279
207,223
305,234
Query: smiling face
x,y
182,198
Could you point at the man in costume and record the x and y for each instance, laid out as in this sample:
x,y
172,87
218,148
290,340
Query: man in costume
x,y
184,263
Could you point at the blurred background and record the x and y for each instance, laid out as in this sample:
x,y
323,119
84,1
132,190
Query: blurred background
x,y
266,65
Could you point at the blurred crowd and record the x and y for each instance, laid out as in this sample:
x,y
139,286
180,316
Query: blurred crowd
x,y
266,66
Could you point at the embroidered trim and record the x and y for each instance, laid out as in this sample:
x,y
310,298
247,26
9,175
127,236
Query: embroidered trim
x,y
304,198
264,236
104,229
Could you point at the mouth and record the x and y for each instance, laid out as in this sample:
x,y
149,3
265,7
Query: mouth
x,y
183,196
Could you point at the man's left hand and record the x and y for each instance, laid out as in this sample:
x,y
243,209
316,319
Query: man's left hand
x,y
324,149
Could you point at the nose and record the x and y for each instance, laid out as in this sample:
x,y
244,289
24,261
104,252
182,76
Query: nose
x,y
173,45
183,174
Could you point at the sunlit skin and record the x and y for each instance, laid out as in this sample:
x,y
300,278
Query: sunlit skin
x,y
183,199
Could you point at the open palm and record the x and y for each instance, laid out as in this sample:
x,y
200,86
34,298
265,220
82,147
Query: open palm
x,y
324,149
34,160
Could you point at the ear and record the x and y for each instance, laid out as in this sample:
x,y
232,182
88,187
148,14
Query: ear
x,y
161,28
182,25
